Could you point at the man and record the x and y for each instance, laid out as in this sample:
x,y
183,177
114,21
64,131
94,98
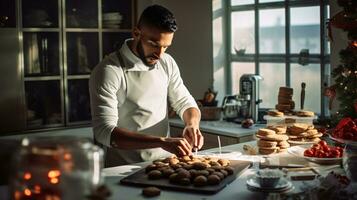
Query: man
x,y
129,91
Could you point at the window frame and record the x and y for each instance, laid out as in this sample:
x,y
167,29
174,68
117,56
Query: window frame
x,y
323,58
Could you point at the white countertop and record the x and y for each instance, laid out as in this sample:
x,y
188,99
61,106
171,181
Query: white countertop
x,y
221,127
235,190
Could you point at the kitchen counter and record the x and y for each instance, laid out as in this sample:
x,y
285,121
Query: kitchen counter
x,y
223,128
235,190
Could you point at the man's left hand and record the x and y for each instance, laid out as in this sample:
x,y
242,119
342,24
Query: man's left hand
x,y
193,135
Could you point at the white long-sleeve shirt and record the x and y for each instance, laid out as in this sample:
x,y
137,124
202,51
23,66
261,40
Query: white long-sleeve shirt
x,y
135,97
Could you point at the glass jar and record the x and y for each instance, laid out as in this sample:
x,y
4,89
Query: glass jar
x,y
56,168
350,161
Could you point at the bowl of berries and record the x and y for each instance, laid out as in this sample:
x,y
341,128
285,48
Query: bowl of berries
x,y
320,153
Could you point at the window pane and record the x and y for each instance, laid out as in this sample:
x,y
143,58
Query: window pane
x,y
113,41
238,69
305,29
40,13
43,103
243,31
117,14
311,76
41,51
7,13
82,52
272,31
78,96
273,77
81,15
242,2
216,5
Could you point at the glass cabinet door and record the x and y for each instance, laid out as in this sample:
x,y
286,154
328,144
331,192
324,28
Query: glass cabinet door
x,y
7,14
113,41
79,104
82,52
43,103
117,14
82,14
40,13
41,53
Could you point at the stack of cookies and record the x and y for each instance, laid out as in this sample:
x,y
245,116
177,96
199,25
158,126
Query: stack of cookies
x,y
272,140
301,133
285,102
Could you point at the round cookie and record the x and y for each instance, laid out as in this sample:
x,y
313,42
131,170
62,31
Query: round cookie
x,y
266,143
151,191
283,107
286,90
267,151
265,132
305,113
278,129
297,128
275,113
281,150
283,144
274,137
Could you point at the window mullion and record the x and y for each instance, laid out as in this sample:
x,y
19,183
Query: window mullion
x,y
287,44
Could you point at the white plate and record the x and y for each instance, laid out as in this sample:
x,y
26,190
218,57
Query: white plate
x,y
283,185
231,155
300,142
298,151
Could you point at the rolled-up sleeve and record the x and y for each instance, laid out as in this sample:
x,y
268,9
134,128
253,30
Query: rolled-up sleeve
x,y
179,96
103,87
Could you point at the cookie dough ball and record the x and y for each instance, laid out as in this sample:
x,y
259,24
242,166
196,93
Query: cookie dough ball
x,y
229,169
184,181
188,166
176,166
183,174
200,181
210,170
167,172
213,179
173,178
224,162
150,168
193,172
151,191
154,174
173,161
219,174
200,165
224,172
203,173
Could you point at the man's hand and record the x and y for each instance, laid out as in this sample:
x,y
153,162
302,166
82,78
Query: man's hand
x,y
194,137
178,146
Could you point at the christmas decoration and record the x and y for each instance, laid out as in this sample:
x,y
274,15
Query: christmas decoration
x,y
345,74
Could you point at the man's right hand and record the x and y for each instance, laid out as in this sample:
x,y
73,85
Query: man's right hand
x,y
178,146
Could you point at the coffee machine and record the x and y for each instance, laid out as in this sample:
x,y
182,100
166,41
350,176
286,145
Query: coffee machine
x,y
249,92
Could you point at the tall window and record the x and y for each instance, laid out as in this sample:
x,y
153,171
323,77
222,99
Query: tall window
x,y
285,42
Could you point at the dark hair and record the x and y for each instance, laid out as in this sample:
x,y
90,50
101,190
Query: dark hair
x,y
158,17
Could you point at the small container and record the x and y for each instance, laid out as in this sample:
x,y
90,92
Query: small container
x,y
287,120
209,113
269,178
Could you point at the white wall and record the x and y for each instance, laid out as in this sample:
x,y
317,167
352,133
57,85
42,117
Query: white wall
x,y
192,44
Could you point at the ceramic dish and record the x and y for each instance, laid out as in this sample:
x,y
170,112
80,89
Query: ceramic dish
x,y
283,185
298,151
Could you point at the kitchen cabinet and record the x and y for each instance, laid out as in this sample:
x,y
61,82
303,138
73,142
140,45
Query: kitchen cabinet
x,y
51,48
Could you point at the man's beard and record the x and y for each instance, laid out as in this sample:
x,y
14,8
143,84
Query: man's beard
x,y
140,50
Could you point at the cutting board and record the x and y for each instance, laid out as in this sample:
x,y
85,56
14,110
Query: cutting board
x,y
140,178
